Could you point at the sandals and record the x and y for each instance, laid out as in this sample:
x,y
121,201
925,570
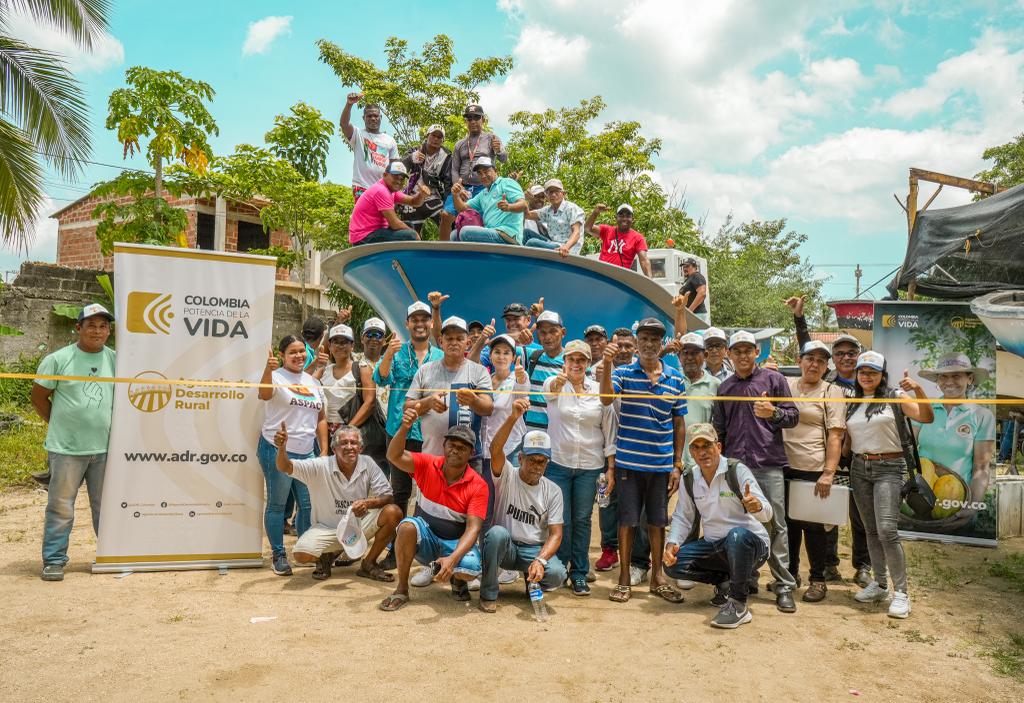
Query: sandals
x,y
668,593
322,570
460,590
620,594
393,602
375,573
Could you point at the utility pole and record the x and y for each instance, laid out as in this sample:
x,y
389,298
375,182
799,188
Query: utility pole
x,y
857,273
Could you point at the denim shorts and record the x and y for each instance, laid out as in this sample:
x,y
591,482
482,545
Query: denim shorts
x,y
430,547
638,490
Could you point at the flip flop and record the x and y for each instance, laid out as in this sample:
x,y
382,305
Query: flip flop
x,y
393,602
668,593
375,573
620,594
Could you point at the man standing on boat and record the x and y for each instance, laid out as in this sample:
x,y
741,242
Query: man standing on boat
x,y
621,244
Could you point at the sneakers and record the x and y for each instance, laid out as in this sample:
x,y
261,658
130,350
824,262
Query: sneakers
x,y
322,570
423,577
863,577
872,593
474,585
52,572
580,587
732,615
686,585
281,566
505,576
608,561
721,594
636,575
815,593
832,574
900,605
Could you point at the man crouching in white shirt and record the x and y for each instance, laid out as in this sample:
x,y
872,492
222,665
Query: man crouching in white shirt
x,y
725,496
528,514
349,480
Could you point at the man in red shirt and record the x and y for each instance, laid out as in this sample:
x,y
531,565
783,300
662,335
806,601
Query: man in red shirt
x,y
449,512
621,244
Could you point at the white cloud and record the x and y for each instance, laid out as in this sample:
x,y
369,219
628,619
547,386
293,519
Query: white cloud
x,y
837,29
262,34
106,51
889,34
44,233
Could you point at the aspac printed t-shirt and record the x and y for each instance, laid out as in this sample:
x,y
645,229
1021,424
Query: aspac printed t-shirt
x,y
297,404
331,494
618,248
81,410
371,154
436,375
524,510
366,215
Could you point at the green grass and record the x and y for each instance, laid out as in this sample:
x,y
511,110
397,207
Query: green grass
x,y
1011,569
15,391
22,449
1008,659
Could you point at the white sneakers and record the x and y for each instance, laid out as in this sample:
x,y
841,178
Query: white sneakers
x,y
423,577
685,584
900,606
474,585
636,575
506,577
872,593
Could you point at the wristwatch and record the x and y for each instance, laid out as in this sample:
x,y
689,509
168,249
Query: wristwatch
x,y
542,560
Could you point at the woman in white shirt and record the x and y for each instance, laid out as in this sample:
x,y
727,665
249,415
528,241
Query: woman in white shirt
x,y
296,401
876,475
582,431
340,384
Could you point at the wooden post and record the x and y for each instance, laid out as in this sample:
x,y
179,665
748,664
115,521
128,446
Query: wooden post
x,y
911,219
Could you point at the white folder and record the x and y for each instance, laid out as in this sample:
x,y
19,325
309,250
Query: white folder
x,y
805,506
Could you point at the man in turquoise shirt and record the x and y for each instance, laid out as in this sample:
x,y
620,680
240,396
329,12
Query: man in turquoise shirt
x,y
501,205
78,413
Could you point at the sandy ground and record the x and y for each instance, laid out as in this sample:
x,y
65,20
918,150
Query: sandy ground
x,y
187,635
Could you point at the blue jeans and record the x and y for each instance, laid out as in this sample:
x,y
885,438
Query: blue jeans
x,y
279,485
877,487
449,202
66,475
500,552
532,239
579,486
430,547
1006,445
485,235
388,235
734,558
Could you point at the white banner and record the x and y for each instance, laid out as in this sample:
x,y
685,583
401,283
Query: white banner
x,y
183,486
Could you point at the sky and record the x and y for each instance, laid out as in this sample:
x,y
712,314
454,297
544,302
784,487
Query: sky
x,y
807,111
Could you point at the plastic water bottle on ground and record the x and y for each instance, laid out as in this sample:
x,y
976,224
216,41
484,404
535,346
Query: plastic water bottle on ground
x,y
603,498
540,611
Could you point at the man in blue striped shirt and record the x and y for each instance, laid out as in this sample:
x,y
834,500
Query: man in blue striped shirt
x,y
539,367
649,450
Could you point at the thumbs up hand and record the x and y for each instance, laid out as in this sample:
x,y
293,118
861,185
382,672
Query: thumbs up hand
x,y
537,308
521,376
496,144
281,438
763,408
750,502
488,330
503,204
908,384
272,363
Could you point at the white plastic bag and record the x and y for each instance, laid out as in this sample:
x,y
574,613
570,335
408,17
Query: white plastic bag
x,y
350,534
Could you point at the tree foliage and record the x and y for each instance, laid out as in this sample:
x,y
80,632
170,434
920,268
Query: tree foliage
x,y
754,267
132,213
303,140
1008,164
611,166
44,114
416,90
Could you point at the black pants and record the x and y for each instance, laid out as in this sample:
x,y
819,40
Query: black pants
x,y
860,557
401,482
813,533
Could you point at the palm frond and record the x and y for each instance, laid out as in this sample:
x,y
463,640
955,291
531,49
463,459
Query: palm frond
x,y
21,194
85,21
40,95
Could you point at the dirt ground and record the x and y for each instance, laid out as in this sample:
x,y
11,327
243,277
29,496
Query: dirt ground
x,y
187,636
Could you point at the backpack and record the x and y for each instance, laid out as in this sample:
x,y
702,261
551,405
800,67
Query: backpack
x,y
734,485
373,430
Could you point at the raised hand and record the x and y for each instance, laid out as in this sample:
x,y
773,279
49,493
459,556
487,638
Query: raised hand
x,y
393,346
608,355
537,308
520,406
272,363
503,204
436,299
353,98
763,408
322,359
796,305
600,207
908,384
409,418
680,301
489,330
559,383
343,316
525,336
417,157
521,376
750,502
495,143
770,363
281,437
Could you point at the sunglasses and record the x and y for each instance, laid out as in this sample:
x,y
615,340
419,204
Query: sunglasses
x,y
373,334
473,118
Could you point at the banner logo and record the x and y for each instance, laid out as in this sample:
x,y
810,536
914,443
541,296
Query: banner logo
x,y
149,313
149,397
909,322
964,323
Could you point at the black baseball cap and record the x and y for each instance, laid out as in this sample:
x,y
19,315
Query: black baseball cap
x,y
313,328
515,309
463,433
651,323
690,261
596,329
473,110
475,324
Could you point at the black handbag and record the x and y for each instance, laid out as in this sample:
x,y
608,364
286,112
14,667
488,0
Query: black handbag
x,y
916,492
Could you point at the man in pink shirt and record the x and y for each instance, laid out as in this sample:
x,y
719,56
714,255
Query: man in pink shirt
x,y
621,244
373,218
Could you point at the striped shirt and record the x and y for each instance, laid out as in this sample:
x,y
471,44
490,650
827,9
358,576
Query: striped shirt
x,y
445,507
545,368
646,427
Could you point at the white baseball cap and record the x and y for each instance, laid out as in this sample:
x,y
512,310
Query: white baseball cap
x,y
537,442
872,360
715,333
456,322
483,162
846,339
397,168
374,323
504,339
94,309
624,206
550,316
535,189
418,306
435,128
742,337
553,183
340,331
815,345
692,339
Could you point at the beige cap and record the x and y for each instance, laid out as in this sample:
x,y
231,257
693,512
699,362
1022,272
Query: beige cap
x,y
702,430
577,346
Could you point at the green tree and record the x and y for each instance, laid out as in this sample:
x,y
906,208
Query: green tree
x,y
756,266
415,91
43,109
610,166
303,140
1008,167
168,108
131,212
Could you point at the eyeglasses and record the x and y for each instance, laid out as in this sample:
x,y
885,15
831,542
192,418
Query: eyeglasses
x,y
846,354
709,347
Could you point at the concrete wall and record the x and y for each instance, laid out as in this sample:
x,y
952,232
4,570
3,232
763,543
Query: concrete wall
x,y
27,305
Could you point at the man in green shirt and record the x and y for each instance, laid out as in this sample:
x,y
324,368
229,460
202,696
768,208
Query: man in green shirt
x,y
78,413
501,205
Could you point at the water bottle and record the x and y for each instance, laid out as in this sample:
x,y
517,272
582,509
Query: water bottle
x,y
603,499
540,611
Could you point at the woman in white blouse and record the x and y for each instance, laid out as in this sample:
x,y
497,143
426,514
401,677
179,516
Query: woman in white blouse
x,y
582,432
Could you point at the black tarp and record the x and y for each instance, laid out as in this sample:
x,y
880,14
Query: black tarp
x,y
966,251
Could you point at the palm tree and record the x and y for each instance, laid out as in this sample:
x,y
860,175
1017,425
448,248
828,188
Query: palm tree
x,y
43,114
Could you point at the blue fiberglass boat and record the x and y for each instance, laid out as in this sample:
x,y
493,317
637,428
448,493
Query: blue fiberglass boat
x,y
482,278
